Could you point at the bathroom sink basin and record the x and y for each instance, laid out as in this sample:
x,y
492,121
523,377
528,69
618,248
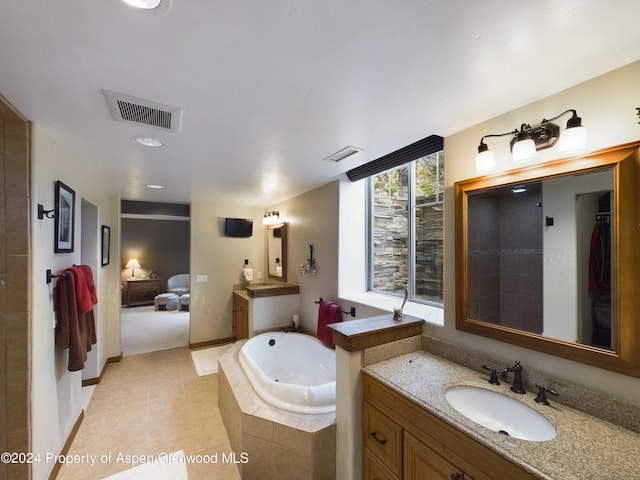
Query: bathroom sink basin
x,y
500,413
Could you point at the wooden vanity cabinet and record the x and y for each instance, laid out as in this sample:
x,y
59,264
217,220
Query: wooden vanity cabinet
x,y
412,444
240,319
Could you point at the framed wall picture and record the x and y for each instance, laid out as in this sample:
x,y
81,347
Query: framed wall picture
x,y
106,244
65,208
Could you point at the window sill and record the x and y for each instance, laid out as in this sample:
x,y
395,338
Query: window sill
x,y
429,313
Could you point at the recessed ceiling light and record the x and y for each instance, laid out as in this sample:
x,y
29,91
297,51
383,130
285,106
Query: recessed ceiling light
x,y
145,4
149,142
157,187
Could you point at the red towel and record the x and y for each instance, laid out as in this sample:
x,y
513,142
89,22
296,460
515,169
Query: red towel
x,y
88,277
328,313
85,288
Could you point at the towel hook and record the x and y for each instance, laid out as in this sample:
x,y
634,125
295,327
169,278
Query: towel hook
x,y
45,213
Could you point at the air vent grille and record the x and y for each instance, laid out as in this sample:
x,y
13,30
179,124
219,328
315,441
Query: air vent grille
x,y
142,114
344,153
125,108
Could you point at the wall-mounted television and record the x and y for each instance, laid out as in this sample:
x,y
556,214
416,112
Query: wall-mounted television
x,y
238,227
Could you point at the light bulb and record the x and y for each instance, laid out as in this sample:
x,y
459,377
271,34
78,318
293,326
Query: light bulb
x,y
573,140
485,160
524,150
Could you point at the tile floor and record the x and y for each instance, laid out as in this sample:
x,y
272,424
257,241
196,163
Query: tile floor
x,y
150,403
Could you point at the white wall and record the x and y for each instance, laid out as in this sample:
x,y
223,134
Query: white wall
x,y
607,106
268,313
56,393
560,252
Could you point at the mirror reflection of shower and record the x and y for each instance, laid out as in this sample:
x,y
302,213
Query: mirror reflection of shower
x,y
540,255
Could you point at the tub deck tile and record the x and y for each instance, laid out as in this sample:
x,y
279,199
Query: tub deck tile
x,y
280,444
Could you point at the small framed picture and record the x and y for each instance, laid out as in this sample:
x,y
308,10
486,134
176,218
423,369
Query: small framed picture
x,y
106,241
65,208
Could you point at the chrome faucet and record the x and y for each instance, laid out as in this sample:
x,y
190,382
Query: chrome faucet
x,y
517,377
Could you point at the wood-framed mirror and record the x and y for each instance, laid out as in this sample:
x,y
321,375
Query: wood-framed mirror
x,y
277,252
548,257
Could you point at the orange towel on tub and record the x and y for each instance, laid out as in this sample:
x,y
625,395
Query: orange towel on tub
x,y
328,313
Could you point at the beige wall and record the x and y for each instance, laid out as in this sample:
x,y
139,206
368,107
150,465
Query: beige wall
x,y
15,368
221,259
607,105
313,219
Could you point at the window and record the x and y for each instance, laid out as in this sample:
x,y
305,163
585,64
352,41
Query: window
x,y
406,230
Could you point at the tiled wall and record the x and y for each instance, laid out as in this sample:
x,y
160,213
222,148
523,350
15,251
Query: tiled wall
x,y
505,258
15,338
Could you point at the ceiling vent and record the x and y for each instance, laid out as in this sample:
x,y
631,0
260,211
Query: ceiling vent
x,y
125,108
344,153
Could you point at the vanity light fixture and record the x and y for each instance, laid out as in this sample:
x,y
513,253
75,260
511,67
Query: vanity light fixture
x,y
526,141
486,159
271,218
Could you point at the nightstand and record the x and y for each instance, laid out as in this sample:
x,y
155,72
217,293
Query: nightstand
x,y
141,292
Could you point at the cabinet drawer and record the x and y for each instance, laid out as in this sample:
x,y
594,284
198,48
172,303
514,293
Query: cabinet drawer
x,y
421,462
383,437
374,469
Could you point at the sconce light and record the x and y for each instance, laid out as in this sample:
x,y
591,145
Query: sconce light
x,y
523,146
132,264
271,218
527,141
45,213
310,265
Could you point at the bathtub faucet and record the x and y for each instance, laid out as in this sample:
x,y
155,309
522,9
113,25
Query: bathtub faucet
x,y
291,327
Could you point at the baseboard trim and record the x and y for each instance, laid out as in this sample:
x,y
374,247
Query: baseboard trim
x,y
115,359
94,381
211,343
67,445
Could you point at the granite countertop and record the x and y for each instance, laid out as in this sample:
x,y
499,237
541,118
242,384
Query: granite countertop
x,y
584,448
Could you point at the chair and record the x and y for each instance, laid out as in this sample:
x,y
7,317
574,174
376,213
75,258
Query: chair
x,y
178,284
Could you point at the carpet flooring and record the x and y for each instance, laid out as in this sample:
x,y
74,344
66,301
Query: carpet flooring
x,y
144,330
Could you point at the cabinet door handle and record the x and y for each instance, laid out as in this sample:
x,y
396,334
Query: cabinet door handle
x,y
374,435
